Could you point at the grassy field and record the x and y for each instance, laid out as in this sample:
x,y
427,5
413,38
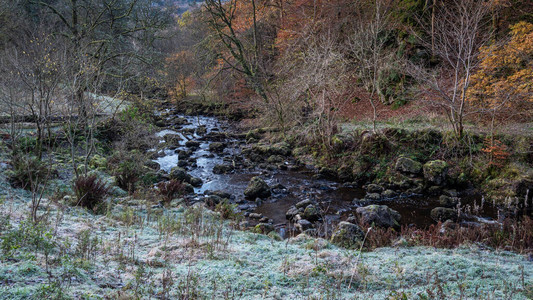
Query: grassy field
x,y
136,251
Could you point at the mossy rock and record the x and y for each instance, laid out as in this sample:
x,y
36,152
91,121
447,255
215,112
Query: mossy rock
x,y
180,174
409,166
222,169
375,144
275,236
345,173
328,173
196,182
348,235
447,201
441,214
380,216
257,188
217,147
436,172
311,213
263,228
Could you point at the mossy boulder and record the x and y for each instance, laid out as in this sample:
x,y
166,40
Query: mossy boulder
x,y
180,174
348,235
374,188
441,214
217,147
374,144
192,144
263,228
275,159
257,188
196,182
380,216
408,166
435,172
328,173
447,201
311,213
292,212
282,148
188,188
523,187
345,174
222,169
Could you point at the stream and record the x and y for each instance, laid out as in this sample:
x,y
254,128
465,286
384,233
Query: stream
x,y
290,184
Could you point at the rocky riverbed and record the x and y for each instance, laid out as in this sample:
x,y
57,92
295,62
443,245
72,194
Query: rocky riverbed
x,y
276,190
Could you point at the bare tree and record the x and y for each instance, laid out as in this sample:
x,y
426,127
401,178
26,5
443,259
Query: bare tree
x,y
243,54
458,36
37,63
310,92
372,28
11,106
108,32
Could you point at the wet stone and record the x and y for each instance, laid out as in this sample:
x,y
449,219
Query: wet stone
x,y
447,201
302,225
222,169
192,144
372,196
257,188
303,203
217,147
255,216
380,216
292,212
374,188
441,214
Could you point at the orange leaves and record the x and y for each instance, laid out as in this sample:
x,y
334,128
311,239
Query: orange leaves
x,y
505,76
497,152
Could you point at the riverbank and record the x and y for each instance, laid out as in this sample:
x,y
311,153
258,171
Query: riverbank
x,y
229,233
136,251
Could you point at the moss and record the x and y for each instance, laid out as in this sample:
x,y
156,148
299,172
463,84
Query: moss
x,y
98,162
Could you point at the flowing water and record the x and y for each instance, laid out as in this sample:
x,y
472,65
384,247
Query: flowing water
x,y
297,183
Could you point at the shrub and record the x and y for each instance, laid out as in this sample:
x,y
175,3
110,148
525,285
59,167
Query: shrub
x,y
26,144
127,176
170,189
27,170
90,192
127,167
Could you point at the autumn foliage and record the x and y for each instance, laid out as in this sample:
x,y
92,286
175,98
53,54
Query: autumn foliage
x,y
257,54
504,80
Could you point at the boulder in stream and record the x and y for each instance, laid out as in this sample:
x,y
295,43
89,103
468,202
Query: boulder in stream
x,y
196,182
222,169
180,174
374,188
380,216
217,147
303,224
447,201
441,214
192,144
292,212
257,188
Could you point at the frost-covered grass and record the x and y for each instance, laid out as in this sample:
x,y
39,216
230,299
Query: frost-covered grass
x,y
136,251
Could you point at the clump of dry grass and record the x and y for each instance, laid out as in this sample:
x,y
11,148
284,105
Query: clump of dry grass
x,y
511,234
